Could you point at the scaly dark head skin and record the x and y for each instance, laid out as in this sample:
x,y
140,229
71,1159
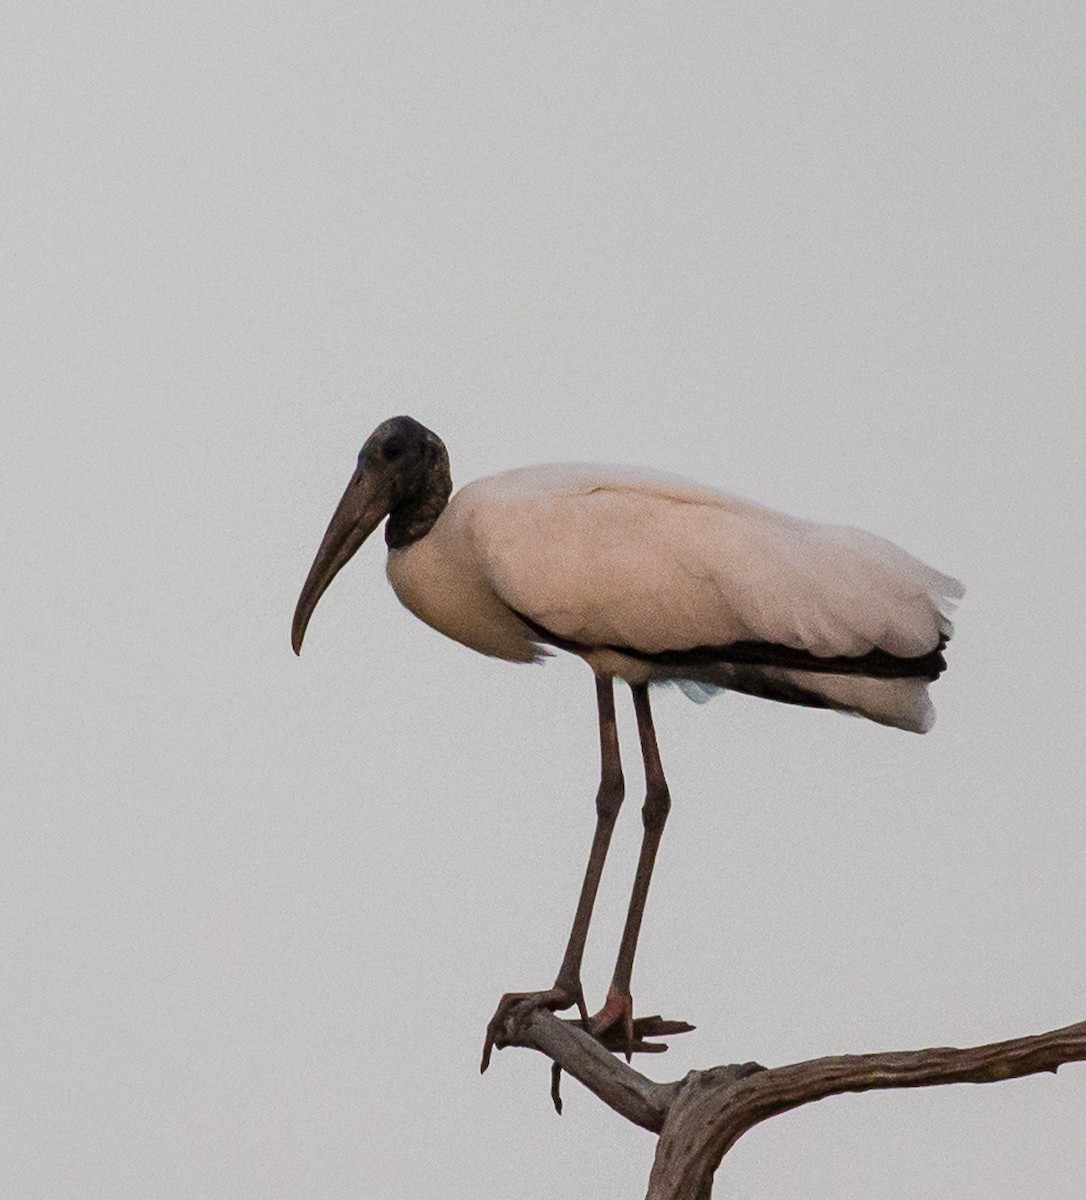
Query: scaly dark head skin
x,y
402,473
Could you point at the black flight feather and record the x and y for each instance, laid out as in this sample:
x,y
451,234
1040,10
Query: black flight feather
x,y
875,664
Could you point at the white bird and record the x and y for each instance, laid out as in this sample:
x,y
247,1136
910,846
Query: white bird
x,y
649,578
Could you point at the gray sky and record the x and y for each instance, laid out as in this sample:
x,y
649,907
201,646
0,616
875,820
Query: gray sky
x,y
258,910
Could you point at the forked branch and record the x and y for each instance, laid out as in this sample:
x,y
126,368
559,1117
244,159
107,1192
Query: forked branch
x,y
700,1117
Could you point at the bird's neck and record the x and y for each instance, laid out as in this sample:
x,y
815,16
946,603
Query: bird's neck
x,y
414,516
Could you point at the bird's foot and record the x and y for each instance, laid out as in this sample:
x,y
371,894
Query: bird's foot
x,y
613,1025
616,1028
555,999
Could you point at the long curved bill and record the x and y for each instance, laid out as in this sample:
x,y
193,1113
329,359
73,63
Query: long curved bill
x,y
362,508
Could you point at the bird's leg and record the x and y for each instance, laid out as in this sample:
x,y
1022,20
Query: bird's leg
x,y
618,1008
567,985
609,798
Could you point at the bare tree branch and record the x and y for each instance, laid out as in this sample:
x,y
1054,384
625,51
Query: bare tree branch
x,y
631,1094
700,1117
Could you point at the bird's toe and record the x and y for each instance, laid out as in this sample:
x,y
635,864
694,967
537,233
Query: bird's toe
x,y
517,1004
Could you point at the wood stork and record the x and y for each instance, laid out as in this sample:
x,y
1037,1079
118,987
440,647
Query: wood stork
x,y
648,578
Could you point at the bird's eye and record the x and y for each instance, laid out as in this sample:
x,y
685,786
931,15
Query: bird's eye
x,y
393,448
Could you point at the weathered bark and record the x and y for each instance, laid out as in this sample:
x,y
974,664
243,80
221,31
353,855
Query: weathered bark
x,y
700,1117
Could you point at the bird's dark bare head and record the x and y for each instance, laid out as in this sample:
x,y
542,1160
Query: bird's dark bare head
x,y
402,473
415,464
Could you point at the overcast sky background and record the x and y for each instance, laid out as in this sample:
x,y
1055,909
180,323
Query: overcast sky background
x,y
257,910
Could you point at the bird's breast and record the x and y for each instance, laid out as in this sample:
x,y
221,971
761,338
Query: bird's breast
x,y
442,581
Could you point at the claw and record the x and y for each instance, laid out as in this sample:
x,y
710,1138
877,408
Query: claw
x,y
493,1027
556,1088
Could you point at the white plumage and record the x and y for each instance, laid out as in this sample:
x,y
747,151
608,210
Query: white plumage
x,y
612,557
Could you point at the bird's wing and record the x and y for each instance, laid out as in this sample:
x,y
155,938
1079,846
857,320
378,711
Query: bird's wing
x,y
612,557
